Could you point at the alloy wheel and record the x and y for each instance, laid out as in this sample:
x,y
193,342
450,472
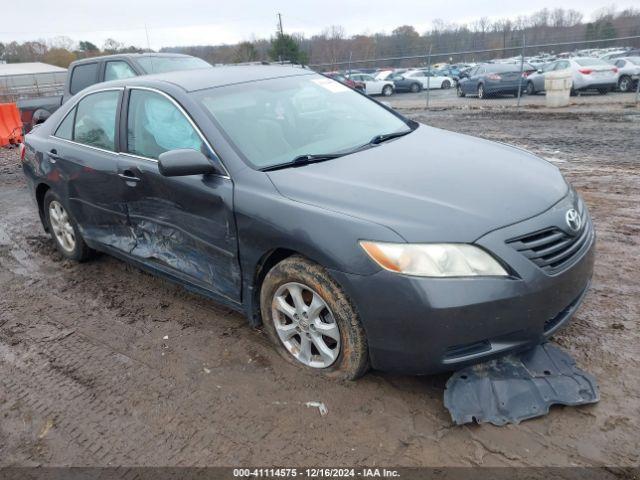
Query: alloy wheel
x,y
61,225
305,325
623,85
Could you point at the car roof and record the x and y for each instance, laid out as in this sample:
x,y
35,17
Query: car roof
x,y
213,77
128,55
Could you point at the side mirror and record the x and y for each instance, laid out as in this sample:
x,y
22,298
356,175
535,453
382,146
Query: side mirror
x,y
178,163
539,70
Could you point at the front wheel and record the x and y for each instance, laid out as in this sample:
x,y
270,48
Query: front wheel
x,y
387,90
531,90
415,88
311,321
481,93
459,91
64,230
446,84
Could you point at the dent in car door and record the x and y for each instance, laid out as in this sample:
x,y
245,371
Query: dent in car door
x,y
183,225
83,148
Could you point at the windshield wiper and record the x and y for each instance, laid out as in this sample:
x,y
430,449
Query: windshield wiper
x,y
388,136
301,160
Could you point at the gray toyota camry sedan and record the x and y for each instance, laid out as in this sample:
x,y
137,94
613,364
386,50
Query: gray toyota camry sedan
x,y
357,238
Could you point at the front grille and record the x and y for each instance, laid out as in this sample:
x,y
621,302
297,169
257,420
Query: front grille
x,y
552,249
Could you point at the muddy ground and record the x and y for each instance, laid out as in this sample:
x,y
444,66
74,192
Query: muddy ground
x,y
102,364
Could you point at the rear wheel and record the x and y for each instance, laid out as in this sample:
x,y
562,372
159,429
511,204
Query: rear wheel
x,y
415,88
311,321
446,84
624,84
64,230
387,90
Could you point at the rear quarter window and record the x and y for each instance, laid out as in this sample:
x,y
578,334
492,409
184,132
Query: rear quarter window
x,y
83,76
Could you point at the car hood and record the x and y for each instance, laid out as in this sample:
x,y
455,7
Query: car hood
x,y
430,185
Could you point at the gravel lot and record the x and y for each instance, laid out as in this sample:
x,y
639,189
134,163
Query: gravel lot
x,y
101,364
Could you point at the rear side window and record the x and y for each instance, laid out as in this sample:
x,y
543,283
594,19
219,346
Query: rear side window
x,y
65,129
589,62
95,123
155,125
117,70
83,76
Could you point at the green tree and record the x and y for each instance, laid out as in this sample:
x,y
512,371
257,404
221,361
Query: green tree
x,y
2,49
285,48
86,46
246,52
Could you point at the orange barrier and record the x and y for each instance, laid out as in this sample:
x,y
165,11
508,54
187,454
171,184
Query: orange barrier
x,y
10,124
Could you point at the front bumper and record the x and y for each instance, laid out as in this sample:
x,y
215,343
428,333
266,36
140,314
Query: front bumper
x,y
421,325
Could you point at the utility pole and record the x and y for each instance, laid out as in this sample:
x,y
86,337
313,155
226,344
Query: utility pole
x,y
280,24
428,75
280,39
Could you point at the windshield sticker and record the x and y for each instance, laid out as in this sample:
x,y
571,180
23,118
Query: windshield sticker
x,y
330,85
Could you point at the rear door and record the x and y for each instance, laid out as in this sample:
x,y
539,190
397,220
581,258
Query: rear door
x,y
83,149
182,225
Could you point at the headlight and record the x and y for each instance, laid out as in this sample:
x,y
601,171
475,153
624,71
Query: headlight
x,y
434,259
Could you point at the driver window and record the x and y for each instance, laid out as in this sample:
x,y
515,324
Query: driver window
x,y
155,125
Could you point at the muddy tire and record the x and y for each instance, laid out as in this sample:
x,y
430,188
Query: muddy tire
x,y
459,91
310,283
64,230
387,91
446,85
481,93
415,87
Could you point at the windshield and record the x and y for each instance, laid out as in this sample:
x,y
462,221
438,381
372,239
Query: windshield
x,y
152,64
271,122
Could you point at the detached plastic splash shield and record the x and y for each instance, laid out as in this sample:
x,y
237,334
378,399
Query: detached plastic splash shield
x,y
517,387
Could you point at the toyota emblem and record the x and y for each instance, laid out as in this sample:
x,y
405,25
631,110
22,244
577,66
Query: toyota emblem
x,y
574,221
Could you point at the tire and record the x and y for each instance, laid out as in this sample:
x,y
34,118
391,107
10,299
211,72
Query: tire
x,y
63,229
625,83
531,89
603,91
297,273
445,85
573,92
415,87
387,90
481,93
459,91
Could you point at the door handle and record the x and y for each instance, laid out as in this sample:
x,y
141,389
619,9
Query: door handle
x,y
53,155
128,176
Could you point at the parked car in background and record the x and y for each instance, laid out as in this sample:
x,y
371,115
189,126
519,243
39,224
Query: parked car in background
x,y
89,71
628,72
372,85
386,73
428,78
491,79
535,81
404,83
355,236
590,74
339,77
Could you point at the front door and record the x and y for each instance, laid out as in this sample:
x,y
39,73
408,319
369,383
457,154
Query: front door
x,y
183,225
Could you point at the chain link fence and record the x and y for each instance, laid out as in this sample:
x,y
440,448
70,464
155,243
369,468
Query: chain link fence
x,y
599,72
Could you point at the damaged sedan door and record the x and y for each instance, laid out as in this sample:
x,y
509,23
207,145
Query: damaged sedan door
x,y
82,153
184,224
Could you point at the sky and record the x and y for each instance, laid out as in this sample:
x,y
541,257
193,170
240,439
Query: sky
x,y
160,23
